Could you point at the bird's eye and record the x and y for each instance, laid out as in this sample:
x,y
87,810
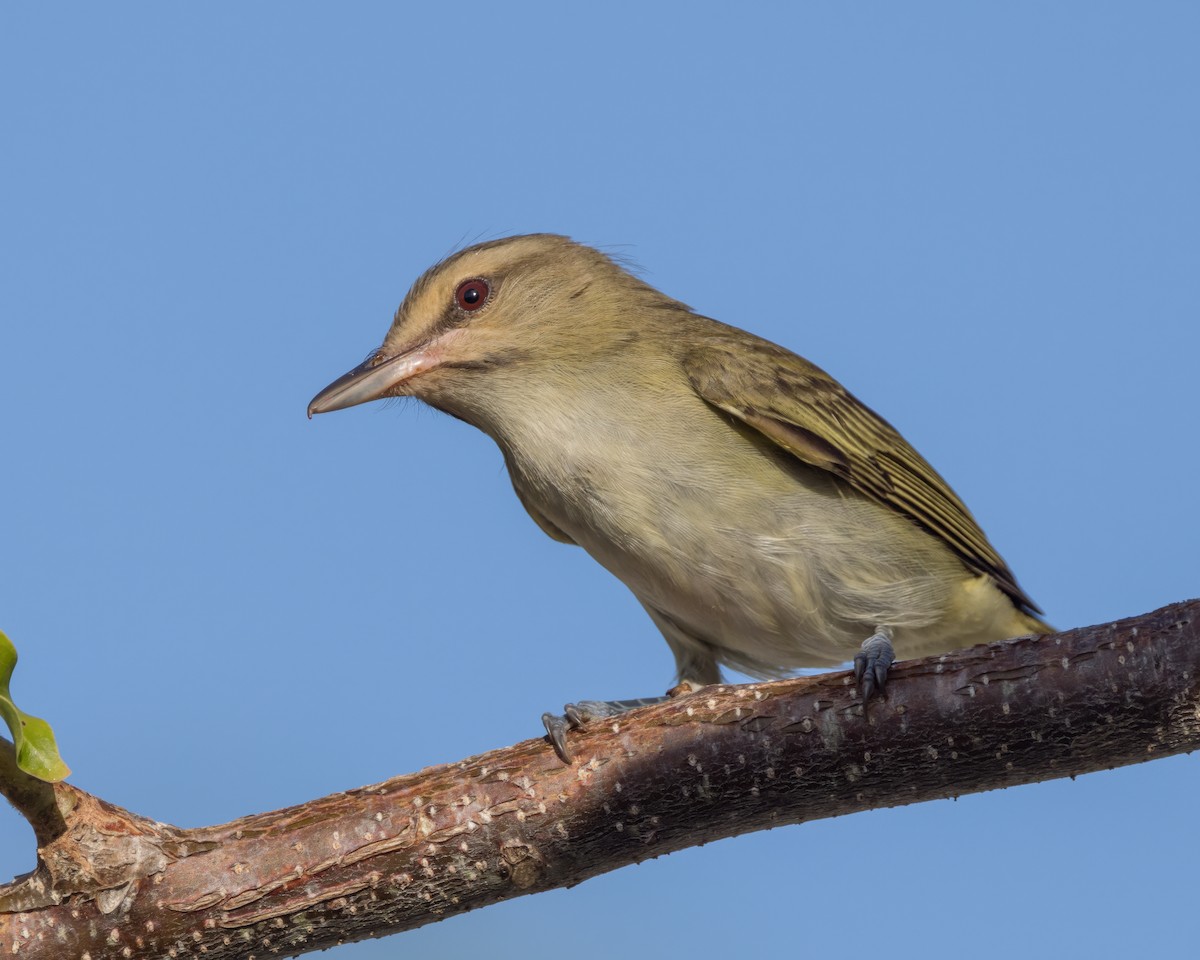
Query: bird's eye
x,y
472,294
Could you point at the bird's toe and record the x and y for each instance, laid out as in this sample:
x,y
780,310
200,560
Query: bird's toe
x,y
872,662
579,714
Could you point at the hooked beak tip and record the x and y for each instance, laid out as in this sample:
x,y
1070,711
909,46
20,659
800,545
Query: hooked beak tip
x,y
379,376
351,388
370,380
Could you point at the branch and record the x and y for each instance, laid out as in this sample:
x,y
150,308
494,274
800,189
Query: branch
x,y
724,761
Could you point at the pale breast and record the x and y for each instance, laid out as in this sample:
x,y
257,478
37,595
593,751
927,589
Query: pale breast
x,y
774,564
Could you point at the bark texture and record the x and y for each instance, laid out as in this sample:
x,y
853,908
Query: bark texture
x,y
724,761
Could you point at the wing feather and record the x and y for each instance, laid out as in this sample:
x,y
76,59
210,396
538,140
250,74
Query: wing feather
x,y
806,412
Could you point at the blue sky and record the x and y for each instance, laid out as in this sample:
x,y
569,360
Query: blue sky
x,y
982,218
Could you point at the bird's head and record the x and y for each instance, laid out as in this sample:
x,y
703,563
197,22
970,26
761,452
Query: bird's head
x,y
521,308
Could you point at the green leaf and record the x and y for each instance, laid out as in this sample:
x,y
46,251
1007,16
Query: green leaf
x,y
37,753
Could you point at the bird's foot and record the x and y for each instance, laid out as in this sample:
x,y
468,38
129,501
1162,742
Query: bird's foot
x,y
871,663
579,714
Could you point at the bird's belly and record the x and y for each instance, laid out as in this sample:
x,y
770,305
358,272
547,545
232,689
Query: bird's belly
x,y
769,564
772,579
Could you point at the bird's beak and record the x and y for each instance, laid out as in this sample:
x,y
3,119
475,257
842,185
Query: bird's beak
x,y
372,379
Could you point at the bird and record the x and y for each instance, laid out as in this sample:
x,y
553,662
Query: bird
x,y
765,518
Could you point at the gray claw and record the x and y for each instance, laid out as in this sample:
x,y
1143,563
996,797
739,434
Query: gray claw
x,y
871,664
578,714
556,730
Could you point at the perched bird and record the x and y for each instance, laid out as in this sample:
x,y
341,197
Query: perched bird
x,y
764,517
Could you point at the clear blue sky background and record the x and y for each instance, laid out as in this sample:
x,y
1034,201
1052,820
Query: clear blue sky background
x,y
984,219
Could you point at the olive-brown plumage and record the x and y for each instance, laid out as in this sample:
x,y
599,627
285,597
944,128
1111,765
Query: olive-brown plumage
x,y
764,517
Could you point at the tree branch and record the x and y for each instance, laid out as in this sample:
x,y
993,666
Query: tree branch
x,y
724,761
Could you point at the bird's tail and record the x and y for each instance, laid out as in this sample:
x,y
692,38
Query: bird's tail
x,y
1027,623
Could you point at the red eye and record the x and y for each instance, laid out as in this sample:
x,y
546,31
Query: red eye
x,y
472,294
